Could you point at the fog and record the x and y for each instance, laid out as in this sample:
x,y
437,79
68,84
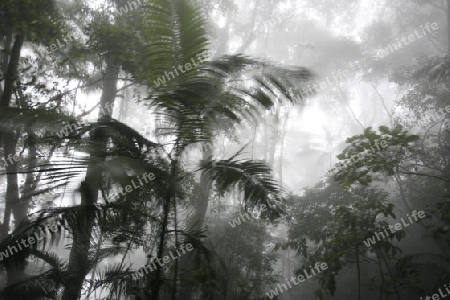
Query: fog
x,y
224,149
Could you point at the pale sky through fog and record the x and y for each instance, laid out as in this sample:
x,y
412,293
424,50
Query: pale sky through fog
x,y
313,119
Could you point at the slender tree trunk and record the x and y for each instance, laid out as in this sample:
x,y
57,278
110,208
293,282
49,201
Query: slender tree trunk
x,y
15,273
12,71
29,185
266,137
175,272
274,137
358,270
8,135
394,281
79,264
157,280
12,190
282,138
195,224
380,297
7,42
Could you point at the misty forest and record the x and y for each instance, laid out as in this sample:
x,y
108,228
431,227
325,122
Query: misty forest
x,y
224,149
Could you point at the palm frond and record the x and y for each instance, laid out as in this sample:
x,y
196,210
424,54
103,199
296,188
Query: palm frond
x,y
176,36
51,258
43,286
27,229
254,178
117,279
99,254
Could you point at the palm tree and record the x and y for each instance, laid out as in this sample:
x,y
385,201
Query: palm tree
x,y
193,103
188,107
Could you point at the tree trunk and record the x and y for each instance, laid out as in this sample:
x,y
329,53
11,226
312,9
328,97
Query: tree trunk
x,y
9,136
157,280
12,72
15,272
282,138
78,262
380,296
195,224
358,271
7,42
30,182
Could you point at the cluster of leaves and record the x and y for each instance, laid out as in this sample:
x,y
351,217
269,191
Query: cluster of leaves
x,y
330,225
146,44
362,159
247,264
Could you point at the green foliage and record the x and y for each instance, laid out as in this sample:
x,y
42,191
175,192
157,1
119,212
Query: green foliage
x,y
185,40
248,264
146,44
254,178
435,69
440,228
36,19
363,159
329,225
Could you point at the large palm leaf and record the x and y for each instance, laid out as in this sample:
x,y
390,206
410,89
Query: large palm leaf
x,y
228,88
